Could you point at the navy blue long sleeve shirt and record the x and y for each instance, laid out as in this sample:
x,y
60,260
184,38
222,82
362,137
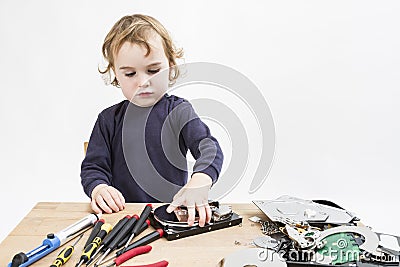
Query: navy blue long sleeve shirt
x,y
168,130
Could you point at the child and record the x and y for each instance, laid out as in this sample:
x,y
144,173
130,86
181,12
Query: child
x,y
137,48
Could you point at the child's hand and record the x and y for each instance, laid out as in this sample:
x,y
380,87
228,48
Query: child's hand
x,y
107,198
194,195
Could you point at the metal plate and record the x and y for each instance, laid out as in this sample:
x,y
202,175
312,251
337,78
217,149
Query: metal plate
x,y
296,209
266,242
178,218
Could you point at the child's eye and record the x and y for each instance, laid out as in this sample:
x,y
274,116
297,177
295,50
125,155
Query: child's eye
x,y
130,74
154,71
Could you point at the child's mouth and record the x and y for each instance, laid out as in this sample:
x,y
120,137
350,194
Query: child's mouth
x,y
145,94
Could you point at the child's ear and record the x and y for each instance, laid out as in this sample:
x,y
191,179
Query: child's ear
x,y
113,76
171,67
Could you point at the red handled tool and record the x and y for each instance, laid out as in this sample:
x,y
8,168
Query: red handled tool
x,y
130,254
157,264
147,239
134,252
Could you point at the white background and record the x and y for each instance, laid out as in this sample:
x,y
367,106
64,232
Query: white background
x,y
328,69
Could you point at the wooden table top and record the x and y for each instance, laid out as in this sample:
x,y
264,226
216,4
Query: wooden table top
x,y
206,249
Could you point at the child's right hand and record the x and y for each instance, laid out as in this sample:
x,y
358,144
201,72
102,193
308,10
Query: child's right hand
x,y
107,198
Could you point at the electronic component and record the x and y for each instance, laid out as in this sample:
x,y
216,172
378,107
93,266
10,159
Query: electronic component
x,y
175,224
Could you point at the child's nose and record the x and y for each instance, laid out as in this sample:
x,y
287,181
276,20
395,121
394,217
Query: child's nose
x,y
144,80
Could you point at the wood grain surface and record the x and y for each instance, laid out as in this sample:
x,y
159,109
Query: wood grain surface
x,y
206,249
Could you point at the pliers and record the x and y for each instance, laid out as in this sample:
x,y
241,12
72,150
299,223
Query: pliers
x,y
134,252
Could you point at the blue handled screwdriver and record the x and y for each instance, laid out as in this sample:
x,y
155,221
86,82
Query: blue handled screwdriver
x,y
53,241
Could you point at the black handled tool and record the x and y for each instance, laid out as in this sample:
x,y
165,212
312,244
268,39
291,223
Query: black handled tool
x,y
122,243
143,217
128,226
147,239
95,231
109,238
91,248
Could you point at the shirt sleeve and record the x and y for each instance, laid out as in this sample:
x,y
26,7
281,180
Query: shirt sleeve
x,y
202,145
96,166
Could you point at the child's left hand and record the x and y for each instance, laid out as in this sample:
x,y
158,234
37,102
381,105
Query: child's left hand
x,y
194,195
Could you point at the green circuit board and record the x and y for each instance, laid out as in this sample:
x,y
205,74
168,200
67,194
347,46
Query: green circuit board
x,y
341,248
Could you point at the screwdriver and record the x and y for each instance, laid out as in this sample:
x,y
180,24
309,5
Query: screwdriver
x,y
91,248
65,254
147,239
95,231
109,237
144,227
143,217
120,236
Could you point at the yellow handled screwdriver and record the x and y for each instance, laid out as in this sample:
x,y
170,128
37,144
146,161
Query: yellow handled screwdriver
x,y
65,254
91,248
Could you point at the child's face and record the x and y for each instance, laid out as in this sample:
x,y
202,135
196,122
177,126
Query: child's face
x,y
133,70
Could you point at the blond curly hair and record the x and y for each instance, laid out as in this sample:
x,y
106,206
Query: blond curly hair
x,y
137,29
